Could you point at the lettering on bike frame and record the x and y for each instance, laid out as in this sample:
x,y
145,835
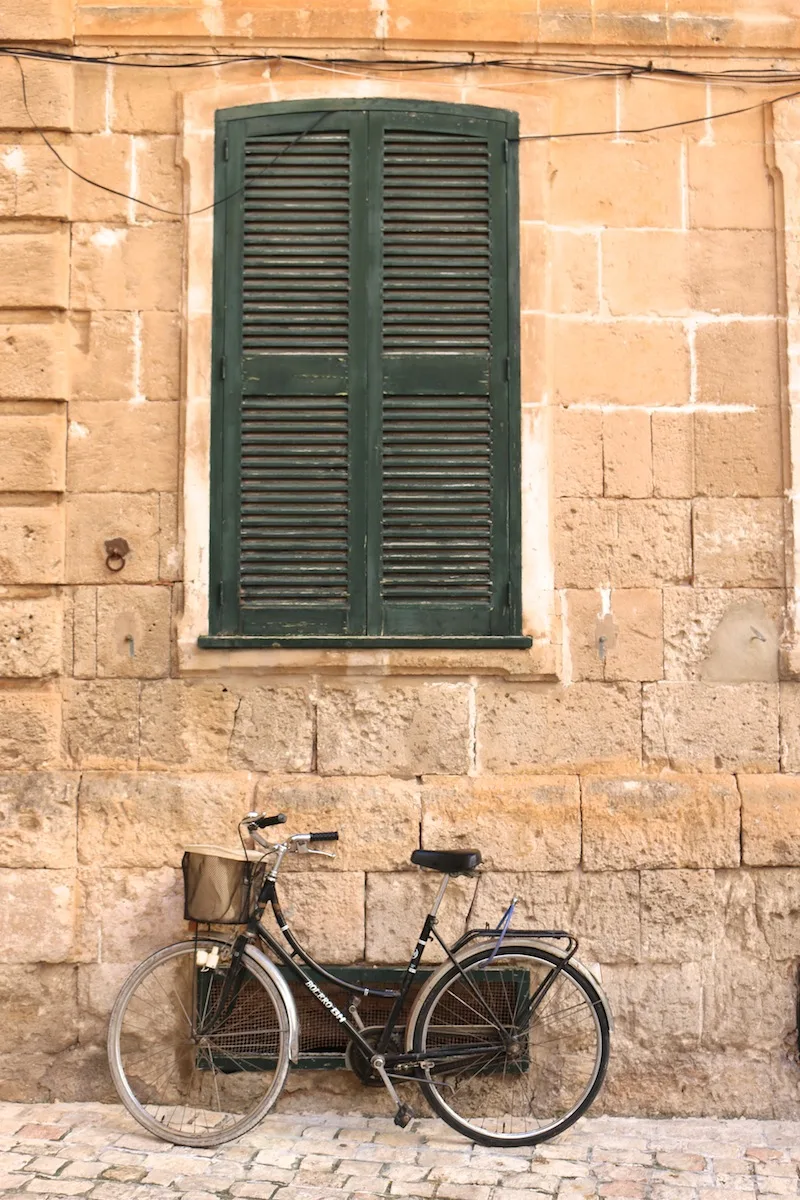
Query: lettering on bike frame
x,y
323,999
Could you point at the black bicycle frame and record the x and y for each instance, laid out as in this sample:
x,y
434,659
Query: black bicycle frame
x,y
256,930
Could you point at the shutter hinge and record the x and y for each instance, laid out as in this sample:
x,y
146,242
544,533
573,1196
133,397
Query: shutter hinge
x,y
506,369
225,150
505,149
222,367
220,593
508,594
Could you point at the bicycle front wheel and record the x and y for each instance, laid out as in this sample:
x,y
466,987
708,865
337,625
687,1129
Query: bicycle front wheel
x,y
517,1046
193,1063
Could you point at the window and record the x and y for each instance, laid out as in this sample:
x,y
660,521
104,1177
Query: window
x,y
365,409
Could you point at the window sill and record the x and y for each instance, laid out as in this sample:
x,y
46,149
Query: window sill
x,y
237,642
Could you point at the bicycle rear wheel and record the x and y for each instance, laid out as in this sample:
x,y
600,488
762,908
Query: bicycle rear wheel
x,y
504,1069
189,1069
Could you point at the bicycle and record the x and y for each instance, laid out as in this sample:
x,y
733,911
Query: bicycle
x,y
508,1039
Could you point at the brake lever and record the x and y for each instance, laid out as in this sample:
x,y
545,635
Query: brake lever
x,y
324,853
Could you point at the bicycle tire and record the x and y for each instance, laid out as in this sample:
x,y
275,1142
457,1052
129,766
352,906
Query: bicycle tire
x,y
162,1060
492,1080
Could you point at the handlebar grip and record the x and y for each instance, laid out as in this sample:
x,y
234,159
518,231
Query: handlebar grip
x,y
324,837
263,822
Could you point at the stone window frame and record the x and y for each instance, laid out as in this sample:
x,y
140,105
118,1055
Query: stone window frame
x,y
540,618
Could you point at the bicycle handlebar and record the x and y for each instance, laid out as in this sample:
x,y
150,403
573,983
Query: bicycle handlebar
x,y
333,836
263,821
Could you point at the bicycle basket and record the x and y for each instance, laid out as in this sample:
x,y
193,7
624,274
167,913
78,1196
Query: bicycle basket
x,y
218,885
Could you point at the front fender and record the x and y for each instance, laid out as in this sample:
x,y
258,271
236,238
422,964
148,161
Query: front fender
x,y
269,968
510,941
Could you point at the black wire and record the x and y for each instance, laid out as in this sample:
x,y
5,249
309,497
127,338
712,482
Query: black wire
x,y
146,203
577,67
534,137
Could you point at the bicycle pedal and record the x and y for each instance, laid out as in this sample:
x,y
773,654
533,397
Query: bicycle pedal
x,y
404,1115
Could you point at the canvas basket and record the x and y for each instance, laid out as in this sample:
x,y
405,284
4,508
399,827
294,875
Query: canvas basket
x,y
219,886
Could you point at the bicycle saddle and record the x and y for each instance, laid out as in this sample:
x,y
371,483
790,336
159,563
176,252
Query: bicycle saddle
x,y
449,862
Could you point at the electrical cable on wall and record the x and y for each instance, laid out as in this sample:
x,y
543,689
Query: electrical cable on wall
x,y
617,71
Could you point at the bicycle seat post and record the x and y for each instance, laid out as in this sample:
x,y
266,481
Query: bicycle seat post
x,y
439,897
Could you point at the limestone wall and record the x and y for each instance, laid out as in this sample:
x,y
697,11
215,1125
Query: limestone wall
x,y
634,777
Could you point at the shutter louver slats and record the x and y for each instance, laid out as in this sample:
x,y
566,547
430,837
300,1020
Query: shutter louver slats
x,y
437,470
296,271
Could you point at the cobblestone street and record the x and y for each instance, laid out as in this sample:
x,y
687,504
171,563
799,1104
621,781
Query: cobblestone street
x,y
97,1151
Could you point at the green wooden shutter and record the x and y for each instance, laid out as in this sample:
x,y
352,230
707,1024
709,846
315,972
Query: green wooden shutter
x,y
294,561
364,470
444,566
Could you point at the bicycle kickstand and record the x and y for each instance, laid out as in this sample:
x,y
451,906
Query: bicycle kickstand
x,y
405,1113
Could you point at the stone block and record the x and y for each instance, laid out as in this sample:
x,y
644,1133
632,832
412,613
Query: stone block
x,y
645,102
679,915
724,636
572,260
378,819
122,446
394,729
740,1012
397,905
107,160
53,23
30,729
543,728
33,452
624,543
620,362
32,181
186,724
101,722
729,187
659,1007
127,914
663,289
770,820
161,355
711,726
38,816
170,547
84,632
93,519
126,267
39,912
790,727
577,461
738,454
30,637
159,177
627,455
777,911
133,632
273,730
738,543
518,824
34,268
631,629
98,987
638,823
49,90
147,820
545,900
673,454
32,541
326,914
40,1011
738,362
102,357
605,916
616,184
732,270
141,105
33,361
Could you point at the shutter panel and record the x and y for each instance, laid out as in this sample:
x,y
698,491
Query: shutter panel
x,y
443,531
298,567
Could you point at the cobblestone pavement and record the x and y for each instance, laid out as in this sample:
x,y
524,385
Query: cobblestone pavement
x,y
97,1151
